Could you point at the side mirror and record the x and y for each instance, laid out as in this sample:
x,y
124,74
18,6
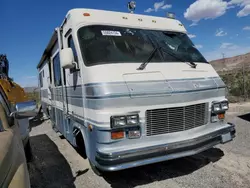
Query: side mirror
x,y
24,110
67,58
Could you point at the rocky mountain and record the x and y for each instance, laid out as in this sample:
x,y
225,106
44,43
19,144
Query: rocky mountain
x,y
231,63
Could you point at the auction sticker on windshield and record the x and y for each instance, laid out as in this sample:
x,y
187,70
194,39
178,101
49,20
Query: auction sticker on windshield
x,y
111,33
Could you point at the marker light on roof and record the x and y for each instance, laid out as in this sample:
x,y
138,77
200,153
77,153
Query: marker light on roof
x,y
171,15
86,14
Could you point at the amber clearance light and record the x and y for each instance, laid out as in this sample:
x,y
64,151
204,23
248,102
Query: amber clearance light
x,y
86,14
117,135
221,116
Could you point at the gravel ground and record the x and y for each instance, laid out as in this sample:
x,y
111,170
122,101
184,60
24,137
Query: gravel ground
x,y
57,164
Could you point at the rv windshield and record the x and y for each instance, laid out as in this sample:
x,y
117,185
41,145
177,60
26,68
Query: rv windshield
x,y
110,44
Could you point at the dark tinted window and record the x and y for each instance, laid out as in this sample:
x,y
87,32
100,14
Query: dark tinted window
x,y
40,79
110,44
57,70
50,76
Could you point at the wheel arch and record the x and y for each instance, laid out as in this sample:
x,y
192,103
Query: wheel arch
x,y
78,133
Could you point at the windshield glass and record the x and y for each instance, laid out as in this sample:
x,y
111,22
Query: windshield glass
x,y
110,44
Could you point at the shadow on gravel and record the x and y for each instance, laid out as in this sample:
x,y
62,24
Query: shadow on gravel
x,y
49,169
162,171
245,117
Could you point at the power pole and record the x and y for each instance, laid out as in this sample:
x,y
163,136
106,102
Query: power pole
x,y
223,57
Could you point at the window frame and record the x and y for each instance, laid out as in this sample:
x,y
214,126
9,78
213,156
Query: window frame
x,y
73,47
56,55
41,79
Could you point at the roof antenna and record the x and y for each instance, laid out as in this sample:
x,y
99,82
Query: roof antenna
x,y
131,6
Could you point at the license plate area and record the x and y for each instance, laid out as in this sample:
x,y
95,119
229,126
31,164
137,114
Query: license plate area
x,y
226,137
133,134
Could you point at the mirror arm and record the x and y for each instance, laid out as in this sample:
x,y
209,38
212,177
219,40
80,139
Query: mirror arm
x,y
76,66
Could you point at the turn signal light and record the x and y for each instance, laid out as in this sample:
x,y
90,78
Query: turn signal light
x,y
221,116
117,135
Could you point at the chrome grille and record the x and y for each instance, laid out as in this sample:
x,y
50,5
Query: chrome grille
x,y
170,120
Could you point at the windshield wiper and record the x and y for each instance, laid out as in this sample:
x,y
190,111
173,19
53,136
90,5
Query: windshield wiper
x,y
192,64
145,63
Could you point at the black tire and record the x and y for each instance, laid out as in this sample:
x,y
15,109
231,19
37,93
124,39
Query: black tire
x,y
80,146
97,171
28,152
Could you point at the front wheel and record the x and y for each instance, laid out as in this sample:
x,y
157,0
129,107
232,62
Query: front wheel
x,y
97,171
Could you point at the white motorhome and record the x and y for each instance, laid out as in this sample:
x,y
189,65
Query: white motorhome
x,y
130,90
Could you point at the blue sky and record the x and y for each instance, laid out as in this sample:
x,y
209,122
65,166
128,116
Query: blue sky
x,y
215,26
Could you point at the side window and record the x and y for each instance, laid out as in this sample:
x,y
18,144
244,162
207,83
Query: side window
x,y
50,76
72,46
57,70
41,79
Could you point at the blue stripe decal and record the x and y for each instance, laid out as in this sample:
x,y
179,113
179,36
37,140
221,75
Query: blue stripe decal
x,y
104,83
80,118
143,94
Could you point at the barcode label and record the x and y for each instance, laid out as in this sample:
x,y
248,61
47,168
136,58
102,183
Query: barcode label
x,y
111,33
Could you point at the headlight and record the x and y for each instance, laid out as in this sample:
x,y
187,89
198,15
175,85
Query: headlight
x,y
218,111
132,120
122,121
118,121
218,107
224,105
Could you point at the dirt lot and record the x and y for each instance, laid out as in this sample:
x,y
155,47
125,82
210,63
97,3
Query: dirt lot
x,y
57,164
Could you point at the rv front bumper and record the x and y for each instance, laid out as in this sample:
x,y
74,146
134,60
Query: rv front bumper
x,y
143,156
